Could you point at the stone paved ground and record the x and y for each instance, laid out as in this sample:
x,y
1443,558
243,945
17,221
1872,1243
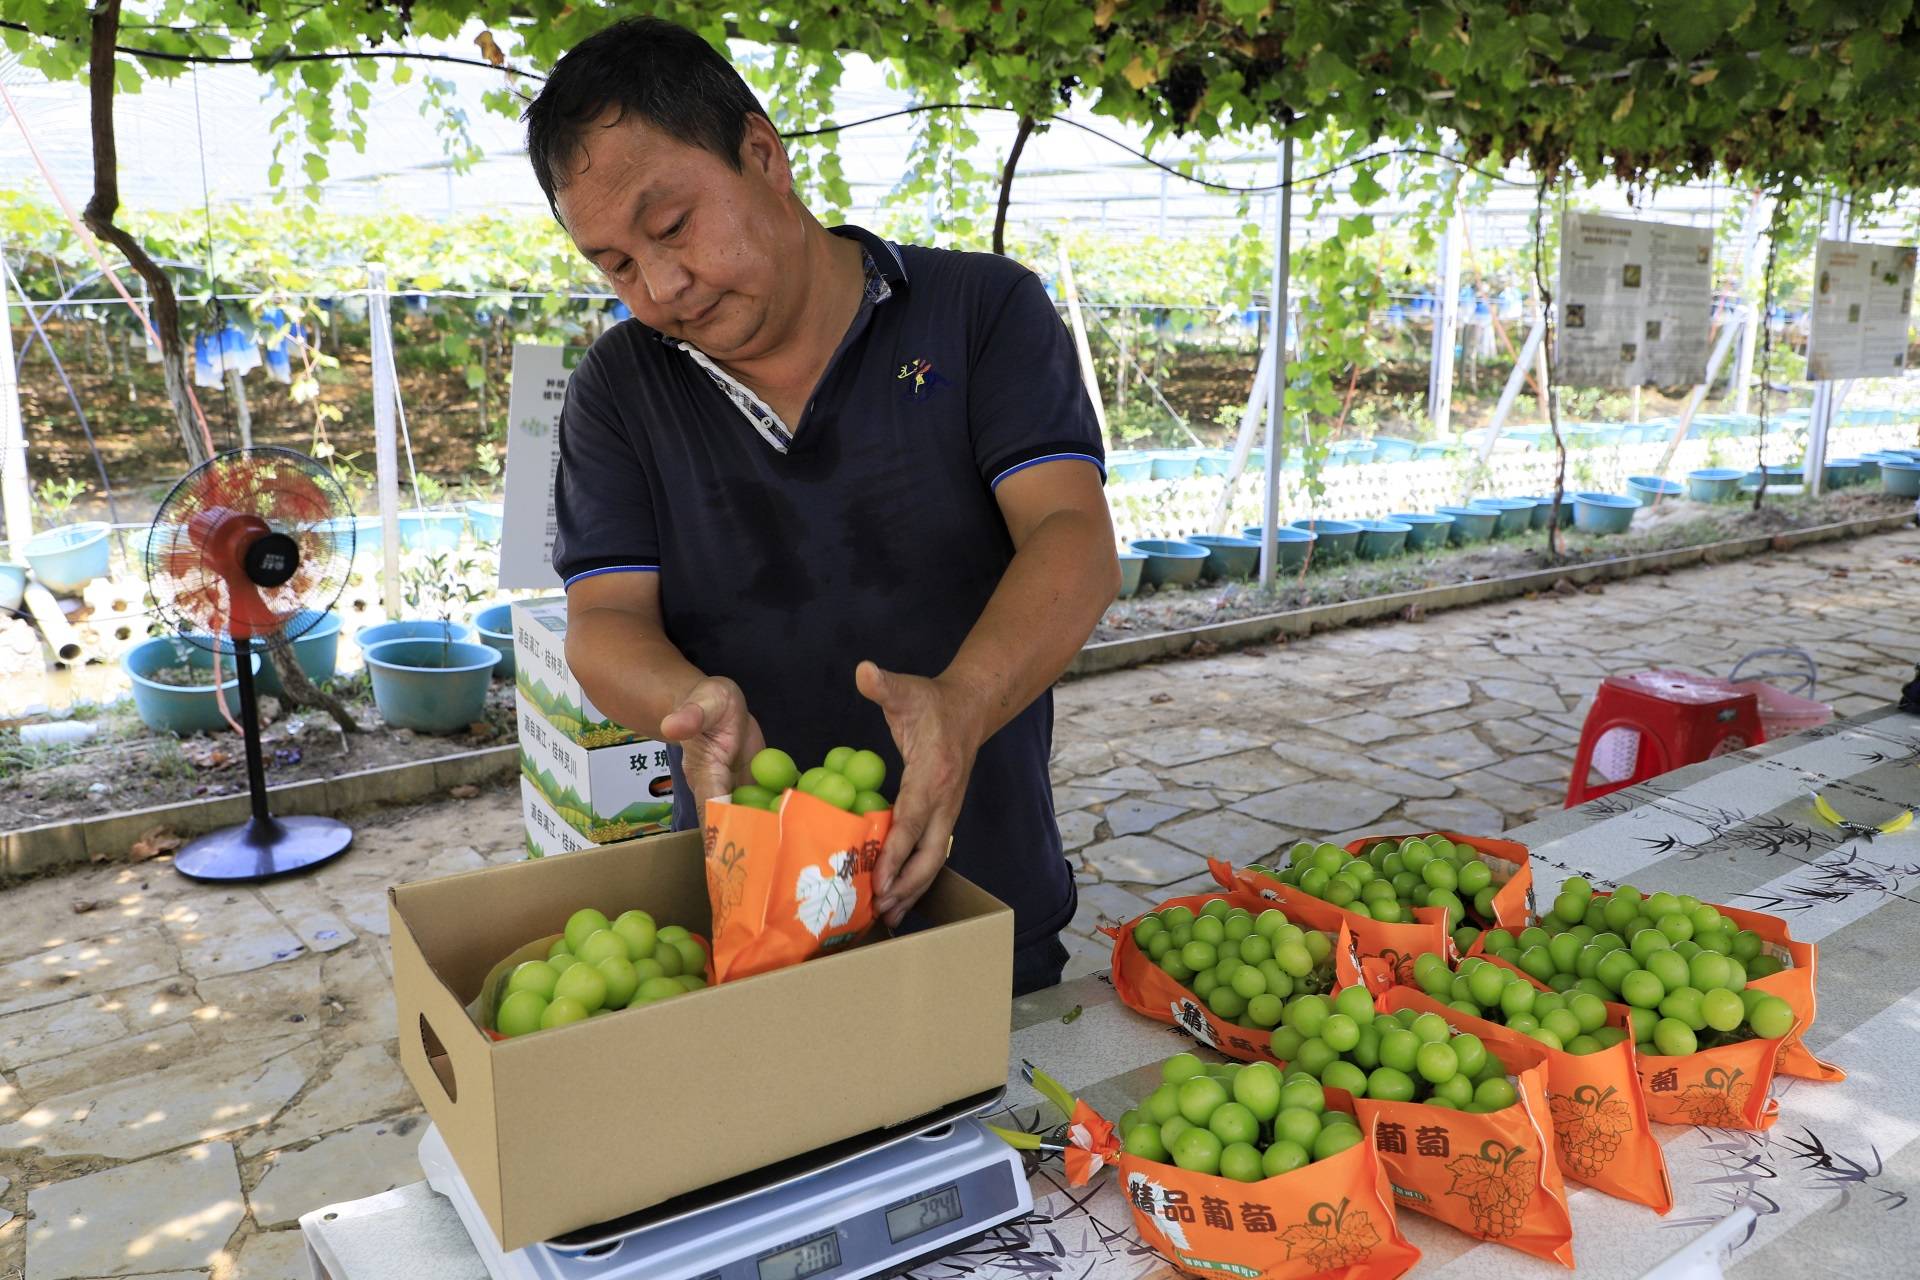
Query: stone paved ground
x,y
185,1071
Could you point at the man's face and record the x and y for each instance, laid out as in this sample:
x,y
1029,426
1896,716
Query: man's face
x,y
692,246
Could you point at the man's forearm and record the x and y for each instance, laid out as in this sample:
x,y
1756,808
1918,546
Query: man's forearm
x,y
633,673
1048,602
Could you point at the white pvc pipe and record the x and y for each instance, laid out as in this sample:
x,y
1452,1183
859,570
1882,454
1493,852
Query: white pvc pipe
x,y
385,437
14,492
59,634
1280,308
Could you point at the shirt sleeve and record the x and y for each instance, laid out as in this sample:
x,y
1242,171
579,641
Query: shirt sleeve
x,y
1026,403
602,505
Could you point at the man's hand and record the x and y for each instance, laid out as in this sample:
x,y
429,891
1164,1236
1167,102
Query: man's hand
x,y
936,727
717,737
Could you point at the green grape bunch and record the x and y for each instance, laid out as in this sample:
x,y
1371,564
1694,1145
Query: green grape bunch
x,y
1245,1121
1390,880
1242,967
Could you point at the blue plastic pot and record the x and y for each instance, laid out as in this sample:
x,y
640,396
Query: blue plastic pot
x,y
173,709
1228,556
1900,478
1171,562
1649,489
1173,464
1516,514
1424,532
485,519
1393,449
317,650
1335,541
494,626
365,531
1632,433
1603,512
1349,453
428,686
1470,524
414,629
1289,544
1540,515
1713,484
1131,562
1430,449
69,557
431,530
13,584
1129,468
1381,538
1213,462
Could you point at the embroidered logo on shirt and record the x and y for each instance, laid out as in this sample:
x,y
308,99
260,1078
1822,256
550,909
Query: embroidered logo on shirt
x,y
925,380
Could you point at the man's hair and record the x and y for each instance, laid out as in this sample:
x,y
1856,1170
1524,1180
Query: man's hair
x,y
662,73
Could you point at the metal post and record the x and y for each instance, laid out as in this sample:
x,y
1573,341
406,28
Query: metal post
x,y
1277,386
1250,419
1839,227
15,496
1445,320
386,441
1162,232
1515,380
242,413
1743,365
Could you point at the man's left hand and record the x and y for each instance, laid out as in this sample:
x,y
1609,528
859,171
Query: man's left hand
x,y
935,725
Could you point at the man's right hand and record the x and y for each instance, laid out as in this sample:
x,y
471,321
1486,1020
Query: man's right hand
x,y
717,737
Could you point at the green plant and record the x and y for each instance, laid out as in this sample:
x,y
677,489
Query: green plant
x,y
438,586
428,491
56,497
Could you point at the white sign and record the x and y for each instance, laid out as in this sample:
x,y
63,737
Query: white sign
x,y
533,452
1862,294
1634,304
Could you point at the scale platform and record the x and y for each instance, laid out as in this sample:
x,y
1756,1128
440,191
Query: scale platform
x,y
865,1207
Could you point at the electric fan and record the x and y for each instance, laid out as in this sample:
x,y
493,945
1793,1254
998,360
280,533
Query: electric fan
x,y
251,544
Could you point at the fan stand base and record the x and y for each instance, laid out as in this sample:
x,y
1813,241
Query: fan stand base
x,y
262,848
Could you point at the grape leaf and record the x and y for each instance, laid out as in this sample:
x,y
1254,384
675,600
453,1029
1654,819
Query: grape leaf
x,y
1472,1176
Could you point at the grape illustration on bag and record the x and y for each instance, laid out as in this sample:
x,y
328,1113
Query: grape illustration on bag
x,y
1588,1125
1333,1236
1496,1182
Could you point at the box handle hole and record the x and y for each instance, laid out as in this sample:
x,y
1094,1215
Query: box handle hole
x,y
437,1059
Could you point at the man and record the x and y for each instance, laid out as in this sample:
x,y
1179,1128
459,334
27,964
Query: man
x,y
821,489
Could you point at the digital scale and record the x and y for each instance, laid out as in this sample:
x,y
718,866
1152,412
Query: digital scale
x,y
863,1207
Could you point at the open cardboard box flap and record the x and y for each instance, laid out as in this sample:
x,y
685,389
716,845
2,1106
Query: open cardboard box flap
x,y
568,1128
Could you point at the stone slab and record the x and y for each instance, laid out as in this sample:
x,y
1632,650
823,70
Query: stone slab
x,y
33,1035
1184,744
1225,834
1318,807
233,932
1130,817
1256,770
1468,817
104,1063
1077,828
1106,904
120,959
170,1212
364,1084
1440,755
362,1161
1366,727
1347,763
271,1255
1142,860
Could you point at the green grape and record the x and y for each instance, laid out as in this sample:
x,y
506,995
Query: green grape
x,y
1670,967
1642,989
1770,1017
1233,1122
1764,966
1674,1038
1644,943
1454,1090
1390,1084
1332,1142
1470,1053
1722,1009
1590,1010
1285,1043
1547,1038
1197,1150
1303,1093
1210,929
1537,962
1436,1062
1366,1050
1307,1014
1562,1024
1284,1157
1314,1055
1340,1033
1517,997
1399,1050
1143,1140
1345,1075
1227,1002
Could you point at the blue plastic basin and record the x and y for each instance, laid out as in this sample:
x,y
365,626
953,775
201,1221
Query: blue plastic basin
x,y
1603,512
69,557
1713,484
431,530
1129,468
1382,538
1131,562
1173,464
1171,562
1470,524
365,531
1213,462
1393,449
1900,478
1648,489
316,649
1430,449
1335,541
1424,531
494,626
1516,514
414,629
429,686
175,709
1289,544
485,519
13,584
1349,453
1228,555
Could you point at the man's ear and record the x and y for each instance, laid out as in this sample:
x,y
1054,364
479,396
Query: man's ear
x,y
764,155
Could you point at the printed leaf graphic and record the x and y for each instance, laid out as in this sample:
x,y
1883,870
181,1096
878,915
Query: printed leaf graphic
x,y
825,901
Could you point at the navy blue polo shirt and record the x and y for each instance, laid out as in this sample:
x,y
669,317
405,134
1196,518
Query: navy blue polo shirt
x,y
871,532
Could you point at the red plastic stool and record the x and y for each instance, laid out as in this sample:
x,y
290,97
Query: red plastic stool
x,y
1647,723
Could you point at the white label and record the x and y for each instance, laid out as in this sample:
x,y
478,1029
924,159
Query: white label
x,y
533,453
1862,294
1634,302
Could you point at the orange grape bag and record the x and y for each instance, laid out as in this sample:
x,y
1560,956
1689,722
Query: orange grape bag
x,y
1333,1218
1494,1175
1602,1135
788,885
1145,987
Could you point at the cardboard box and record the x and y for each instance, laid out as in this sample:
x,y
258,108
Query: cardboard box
x,y
606,793
567,1128
541,675
547,832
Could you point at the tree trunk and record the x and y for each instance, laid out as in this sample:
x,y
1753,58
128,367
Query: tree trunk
x,y
1006,183
299,690
99,219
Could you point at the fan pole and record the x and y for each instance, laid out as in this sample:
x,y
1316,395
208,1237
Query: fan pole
x,y
250,729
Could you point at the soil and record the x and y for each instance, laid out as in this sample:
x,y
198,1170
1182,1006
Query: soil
x,y
182,677
127,766
1657,529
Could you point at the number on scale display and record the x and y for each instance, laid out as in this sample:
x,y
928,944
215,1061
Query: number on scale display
x,y
808,1258
935,1209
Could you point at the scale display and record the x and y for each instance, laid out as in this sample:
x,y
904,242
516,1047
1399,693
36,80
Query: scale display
x,y
808,1258
935,1209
